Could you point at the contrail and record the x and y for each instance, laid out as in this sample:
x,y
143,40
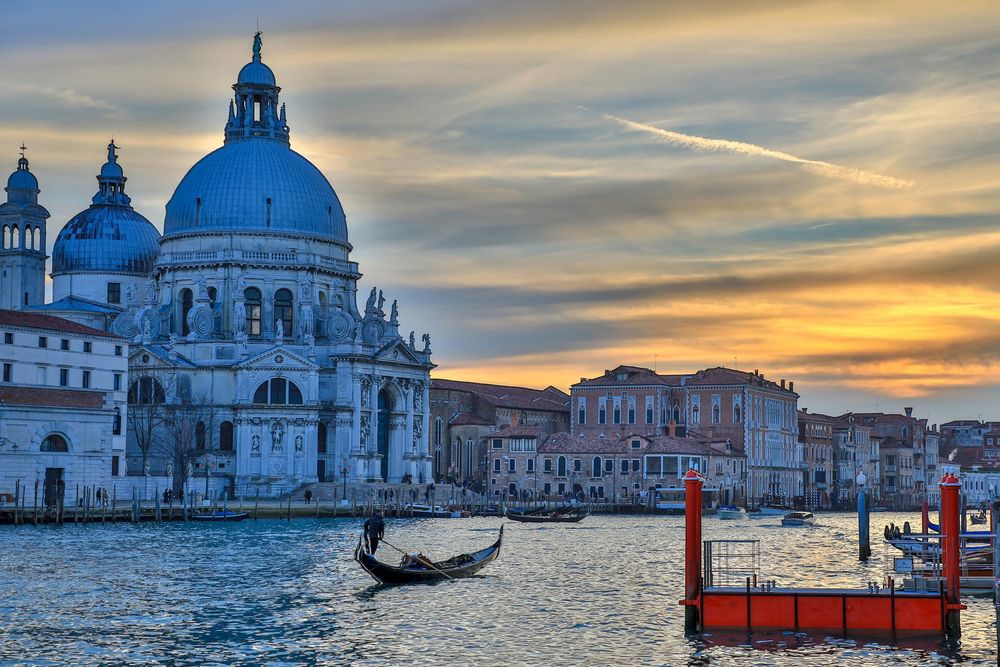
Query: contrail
x,y
815,166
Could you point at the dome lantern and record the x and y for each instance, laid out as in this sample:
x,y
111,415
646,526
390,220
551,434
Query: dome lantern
x,y
22,186
253,113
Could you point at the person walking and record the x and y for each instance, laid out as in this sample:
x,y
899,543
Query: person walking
x,y
374,531
308,496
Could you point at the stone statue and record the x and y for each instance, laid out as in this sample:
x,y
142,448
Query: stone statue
x,y
256,46
311,342
239,315
255,445
305,289
394,317
279,327
413,340
173,341
241,284
277,433
129,294
146,335
370,305
299,448
202,289
427,342
381,301
150,290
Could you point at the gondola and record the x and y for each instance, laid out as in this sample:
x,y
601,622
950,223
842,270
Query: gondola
x,y
978,519
221,516
463,565
555,516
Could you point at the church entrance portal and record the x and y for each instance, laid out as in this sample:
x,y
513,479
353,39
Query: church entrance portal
x,y
384,415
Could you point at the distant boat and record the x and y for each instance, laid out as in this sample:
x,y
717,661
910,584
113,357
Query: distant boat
x,y
558,515
775,510
978,518
221,516
419,569
427,511
731,512
798,519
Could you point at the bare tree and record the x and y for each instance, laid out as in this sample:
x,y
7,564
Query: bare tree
x,y
190,429
147,408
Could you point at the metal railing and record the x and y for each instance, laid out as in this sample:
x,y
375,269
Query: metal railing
x,y
729,563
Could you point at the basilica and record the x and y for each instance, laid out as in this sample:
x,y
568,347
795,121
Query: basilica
x,y
246,311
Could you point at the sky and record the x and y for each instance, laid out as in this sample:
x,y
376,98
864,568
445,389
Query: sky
x,y
555,188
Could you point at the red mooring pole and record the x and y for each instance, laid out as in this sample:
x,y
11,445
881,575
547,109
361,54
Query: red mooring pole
x,y
950,548
692,550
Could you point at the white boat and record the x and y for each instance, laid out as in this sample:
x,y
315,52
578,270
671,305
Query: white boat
x,y
774,510
798,519
731,512
437,511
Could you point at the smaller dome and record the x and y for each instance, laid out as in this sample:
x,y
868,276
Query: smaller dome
x,y
106,239
256,72
22,179
112,170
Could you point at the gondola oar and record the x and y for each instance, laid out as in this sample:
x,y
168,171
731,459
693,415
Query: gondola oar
x,y
428,561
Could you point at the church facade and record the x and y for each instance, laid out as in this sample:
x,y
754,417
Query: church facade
x,y
249,353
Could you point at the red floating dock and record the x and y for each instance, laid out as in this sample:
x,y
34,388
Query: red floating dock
x,y
846,611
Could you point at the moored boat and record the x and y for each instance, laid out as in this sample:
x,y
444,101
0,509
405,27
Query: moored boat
x,y
221,516
419,569
731,512
427,511
558,515
798,519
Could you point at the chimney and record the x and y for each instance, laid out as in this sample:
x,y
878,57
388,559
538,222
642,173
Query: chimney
x,y
804,410
791,386
782,383
583,379
672,429
756,371
908,411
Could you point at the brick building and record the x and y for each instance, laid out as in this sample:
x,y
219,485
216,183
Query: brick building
x,y
462,413
756,415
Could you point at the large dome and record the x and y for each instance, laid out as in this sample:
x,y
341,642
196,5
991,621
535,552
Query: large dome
x,y
256,182
108,237
259,184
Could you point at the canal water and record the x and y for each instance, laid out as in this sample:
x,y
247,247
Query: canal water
x,y
600,592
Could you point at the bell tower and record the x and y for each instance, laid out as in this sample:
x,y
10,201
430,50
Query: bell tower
x,y
22,247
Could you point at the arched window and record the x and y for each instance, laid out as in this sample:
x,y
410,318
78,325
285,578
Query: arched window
x,y
596,467
321,438
15,237
187,302
278,391
283,310
146,391
226,437
54,443
716,414
199,436
6,236
695,413
437,430
677,414
29,238
561,466
252,298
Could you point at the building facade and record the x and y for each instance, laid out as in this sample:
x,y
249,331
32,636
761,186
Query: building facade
x,y
756,415
816,437
462,413
62,406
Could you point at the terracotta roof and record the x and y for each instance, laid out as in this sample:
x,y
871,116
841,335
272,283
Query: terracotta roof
x,y
962,422
816,417
882,417
469,419
664,444
635,375
516,432
53,398
504,396
889,442
19,318
723,375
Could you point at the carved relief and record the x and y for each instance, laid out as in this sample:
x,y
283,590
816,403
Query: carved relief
x,y
366,430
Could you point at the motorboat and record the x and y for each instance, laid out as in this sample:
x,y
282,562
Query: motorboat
x,y
557,515
798,519
436,511
417,568
731,512
774,510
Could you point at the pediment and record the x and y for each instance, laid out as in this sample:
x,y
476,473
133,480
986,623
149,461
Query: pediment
x,y
398,352
156,356
277,358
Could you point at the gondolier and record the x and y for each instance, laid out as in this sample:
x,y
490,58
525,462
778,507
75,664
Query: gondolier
x,y
374,531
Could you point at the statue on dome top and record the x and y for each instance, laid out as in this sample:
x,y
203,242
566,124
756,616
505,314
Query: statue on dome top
x,y
256,46
394,317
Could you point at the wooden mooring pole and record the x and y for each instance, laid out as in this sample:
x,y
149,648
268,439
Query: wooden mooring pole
x,y
35,508
17,498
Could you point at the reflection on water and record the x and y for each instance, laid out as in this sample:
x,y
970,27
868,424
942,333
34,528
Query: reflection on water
x,y
601,592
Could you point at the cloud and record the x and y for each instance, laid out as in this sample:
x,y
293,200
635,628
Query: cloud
x,y
69,98
726,145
